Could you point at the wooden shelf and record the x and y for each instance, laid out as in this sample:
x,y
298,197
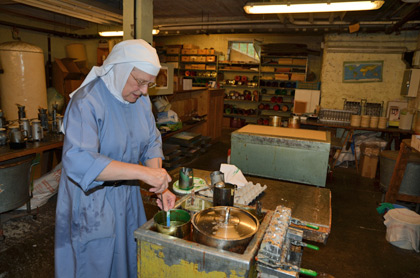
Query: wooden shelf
x,y
240,100
184,128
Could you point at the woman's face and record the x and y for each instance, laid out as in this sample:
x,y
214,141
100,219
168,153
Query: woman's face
x,y
132,90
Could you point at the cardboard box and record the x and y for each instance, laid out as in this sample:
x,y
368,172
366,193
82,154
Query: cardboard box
x,y
185,58
281,76
173,50
202,51
67,76
415,142
369,159
299,62
297,77
368,166
187,84
211,59
190,46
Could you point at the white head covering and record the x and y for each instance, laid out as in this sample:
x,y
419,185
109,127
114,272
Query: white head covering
x,y
120,62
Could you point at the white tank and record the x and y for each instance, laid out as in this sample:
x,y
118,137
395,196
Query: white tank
x,y
23,80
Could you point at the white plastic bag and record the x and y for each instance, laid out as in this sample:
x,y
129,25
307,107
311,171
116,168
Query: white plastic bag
x,y
403,228
45,187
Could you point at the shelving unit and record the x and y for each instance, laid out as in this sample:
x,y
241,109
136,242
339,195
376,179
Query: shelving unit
x,y
201,68
279,76
240,81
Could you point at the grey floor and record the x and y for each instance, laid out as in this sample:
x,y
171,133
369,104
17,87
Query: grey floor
x,y
356,246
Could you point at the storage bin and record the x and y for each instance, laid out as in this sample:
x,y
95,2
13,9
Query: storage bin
x,y
410,184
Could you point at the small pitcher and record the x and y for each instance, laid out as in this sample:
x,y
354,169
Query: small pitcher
x,y
3,136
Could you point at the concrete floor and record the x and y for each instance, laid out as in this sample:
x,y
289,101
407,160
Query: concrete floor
x,y
356,246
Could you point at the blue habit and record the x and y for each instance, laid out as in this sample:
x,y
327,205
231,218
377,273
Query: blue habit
x,y
95,222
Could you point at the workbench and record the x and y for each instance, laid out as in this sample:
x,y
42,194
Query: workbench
x,y
51,144
160,255
308,203
392,193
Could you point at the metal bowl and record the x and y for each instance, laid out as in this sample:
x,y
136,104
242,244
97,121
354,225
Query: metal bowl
x,y
180,223
227,228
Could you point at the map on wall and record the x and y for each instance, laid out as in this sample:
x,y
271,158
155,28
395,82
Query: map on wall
x,y
363,71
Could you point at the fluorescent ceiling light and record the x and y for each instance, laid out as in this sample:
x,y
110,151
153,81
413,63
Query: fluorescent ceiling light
x,y
155,31
310,7
111,33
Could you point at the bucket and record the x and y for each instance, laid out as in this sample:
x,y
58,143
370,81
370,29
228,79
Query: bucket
x,y
365,122
374,122
180,223
382,122
403,228
355,120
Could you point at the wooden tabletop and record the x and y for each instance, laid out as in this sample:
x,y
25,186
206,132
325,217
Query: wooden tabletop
x,y
348,126
308,203
50,141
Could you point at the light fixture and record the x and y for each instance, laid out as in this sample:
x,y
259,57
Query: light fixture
x,y
155,31
311,6
111,33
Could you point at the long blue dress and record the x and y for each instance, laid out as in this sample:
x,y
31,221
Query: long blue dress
x,y
95,222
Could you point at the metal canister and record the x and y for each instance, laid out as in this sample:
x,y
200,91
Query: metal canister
x,y
59,122
26,127
275,121
37,132
224,194
294,122
186,178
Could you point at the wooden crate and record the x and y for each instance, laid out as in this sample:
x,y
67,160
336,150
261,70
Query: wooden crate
x,y
285,61
202,51
211,59
201,59
281,76
173,50
297,77
185,58
299,62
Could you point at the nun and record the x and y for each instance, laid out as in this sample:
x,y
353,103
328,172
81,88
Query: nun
x,y
110,138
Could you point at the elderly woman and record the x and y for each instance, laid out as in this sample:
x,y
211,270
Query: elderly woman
x,y
109,130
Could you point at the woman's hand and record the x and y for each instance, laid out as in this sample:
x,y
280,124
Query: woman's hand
x,y
158,178
168,201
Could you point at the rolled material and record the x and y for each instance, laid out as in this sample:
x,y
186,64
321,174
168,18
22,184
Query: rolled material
x,y
382,122
374,122
355,120
365,122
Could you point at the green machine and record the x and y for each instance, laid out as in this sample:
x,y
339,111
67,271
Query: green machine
x,y
289,154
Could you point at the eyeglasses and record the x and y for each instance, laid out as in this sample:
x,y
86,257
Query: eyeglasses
x,y
144,82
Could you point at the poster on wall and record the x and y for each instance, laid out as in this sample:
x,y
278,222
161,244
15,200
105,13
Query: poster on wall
x,y
370,71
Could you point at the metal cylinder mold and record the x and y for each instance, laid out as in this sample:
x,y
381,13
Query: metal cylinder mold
x,y
23,80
